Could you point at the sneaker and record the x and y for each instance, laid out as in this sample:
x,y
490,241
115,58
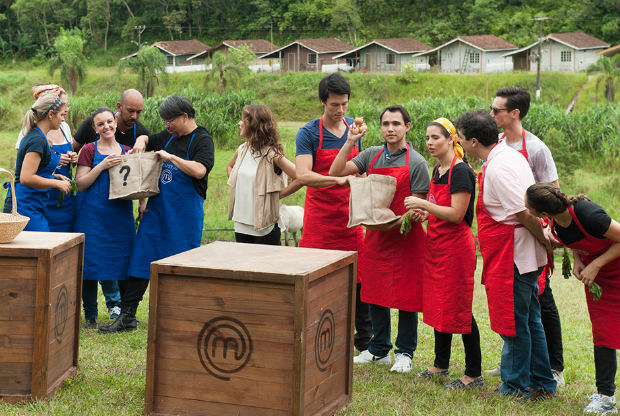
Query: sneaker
x,y
494,372
402,364
601,405
91,323
365,357
458,384
114,312
559,378
428,374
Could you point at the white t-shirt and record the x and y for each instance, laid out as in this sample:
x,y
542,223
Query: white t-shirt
x,y
506,179
539,157
243,212
63,126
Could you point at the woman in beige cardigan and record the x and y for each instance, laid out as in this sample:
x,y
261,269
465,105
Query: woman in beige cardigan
x,y
257,176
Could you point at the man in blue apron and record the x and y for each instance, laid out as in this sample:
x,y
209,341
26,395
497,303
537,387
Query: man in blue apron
x,y
128,111
172,221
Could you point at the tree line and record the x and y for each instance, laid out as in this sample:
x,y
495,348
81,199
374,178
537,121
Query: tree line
x,y
28,27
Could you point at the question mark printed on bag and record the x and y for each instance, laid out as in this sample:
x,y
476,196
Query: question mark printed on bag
x,y
123,169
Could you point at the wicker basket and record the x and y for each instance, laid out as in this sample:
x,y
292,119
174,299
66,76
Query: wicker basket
x,y
13,223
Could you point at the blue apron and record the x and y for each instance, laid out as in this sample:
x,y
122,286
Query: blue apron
x,y
108,226
61,219
32,202
172,222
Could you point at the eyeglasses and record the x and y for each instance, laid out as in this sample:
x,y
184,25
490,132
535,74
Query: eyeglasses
x,y
496,111
168,122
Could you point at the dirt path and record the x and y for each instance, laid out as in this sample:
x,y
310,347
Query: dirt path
x,y
571,105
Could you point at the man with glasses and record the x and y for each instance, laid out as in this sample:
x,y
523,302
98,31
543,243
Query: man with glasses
x,y
128,128
510,106
173,220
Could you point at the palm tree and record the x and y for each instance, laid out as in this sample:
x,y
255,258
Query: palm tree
x,y
147,63
230,67
609,73
69,58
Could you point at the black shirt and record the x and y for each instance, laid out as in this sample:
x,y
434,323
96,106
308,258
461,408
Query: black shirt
x,y
463,179
201,150
86,134
593,219
33,142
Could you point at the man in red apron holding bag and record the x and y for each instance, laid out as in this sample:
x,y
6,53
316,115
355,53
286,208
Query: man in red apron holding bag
x,y
513,253
510,106
326,210
391,263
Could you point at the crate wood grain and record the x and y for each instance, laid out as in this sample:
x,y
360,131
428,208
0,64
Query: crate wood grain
x,y
40,292
244,329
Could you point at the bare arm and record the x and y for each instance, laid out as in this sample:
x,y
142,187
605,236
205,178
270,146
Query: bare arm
x,y
289,168
231,163
459,202
140,144
532,224
589,272
28,175
189,167
340,166
86,176
315,180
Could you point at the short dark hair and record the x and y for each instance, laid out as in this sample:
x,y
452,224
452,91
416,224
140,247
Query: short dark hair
x,y
175,106
478,124
396,108
99,111
516,98
333,84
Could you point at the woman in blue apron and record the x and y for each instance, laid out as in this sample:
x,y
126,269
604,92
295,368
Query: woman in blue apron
x,y
35,171
59,211
107,224
173,220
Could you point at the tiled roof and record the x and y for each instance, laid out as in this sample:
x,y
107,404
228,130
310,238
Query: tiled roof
x,y
182,47
579,40
403,44
258,46
488,42
324,45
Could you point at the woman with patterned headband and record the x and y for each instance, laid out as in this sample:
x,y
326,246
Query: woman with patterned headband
x,y
37,162
60,212
450,259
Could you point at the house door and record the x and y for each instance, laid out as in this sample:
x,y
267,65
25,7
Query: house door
x,y
291,61
367,63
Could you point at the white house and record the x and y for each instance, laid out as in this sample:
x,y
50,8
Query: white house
x,y
564,52
258,46
387,55
478,53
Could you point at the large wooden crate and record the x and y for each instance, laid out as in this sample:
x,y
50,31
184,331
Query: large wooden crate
x,y
40,291
244,329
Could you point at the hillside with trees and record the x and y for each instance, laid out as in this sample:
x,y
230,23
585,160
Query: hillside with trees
x,y
28,27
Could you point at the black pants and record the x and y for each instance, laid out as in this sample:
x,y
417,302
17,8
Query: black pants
x,y
471,343
605,364
363,325
272,239
550,319
133,294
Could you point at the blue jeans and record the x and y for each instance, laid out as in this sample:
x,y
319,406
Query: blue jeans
x,y
525,360
406,339
89,296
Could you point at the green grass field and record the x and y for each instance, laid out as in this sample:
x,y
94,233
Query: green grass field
x,y
111,378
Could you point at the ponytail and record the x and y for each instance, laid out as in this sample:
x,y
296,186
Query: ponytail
x,y
546,197
39,110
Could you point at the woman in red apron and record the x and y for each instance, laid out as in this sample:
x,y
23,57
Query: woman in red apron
x,y
450,260
594,238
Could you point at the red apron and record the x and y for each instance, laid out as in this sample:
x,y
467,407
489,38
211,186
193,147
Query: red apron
x,y
326,210
392,263
497,247
605,312
549,266
449,268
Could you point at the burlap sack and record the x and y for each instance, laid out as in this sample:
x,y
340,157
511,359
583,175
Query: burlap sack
x,y
369,203
136,177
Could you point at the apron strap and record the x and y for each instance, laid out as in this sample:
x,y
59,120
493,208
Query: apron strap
x,y
583,230
321,133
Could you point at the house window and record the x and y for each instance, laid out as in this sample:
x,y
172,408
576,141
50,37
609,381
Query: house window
x,y
390,59
565,56
474,58
170,59
311,58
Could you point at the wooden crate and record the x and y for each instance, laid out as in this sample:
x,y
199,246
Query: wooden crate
x,y
40,292
244,329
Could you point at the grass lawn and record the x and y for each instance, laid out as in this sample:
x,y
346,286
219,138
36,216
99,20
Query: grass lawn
x,y
111,378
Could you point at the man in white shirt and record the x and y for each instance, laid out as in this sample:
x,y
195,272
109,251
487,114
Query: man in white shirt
x,y
510,106
513,251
